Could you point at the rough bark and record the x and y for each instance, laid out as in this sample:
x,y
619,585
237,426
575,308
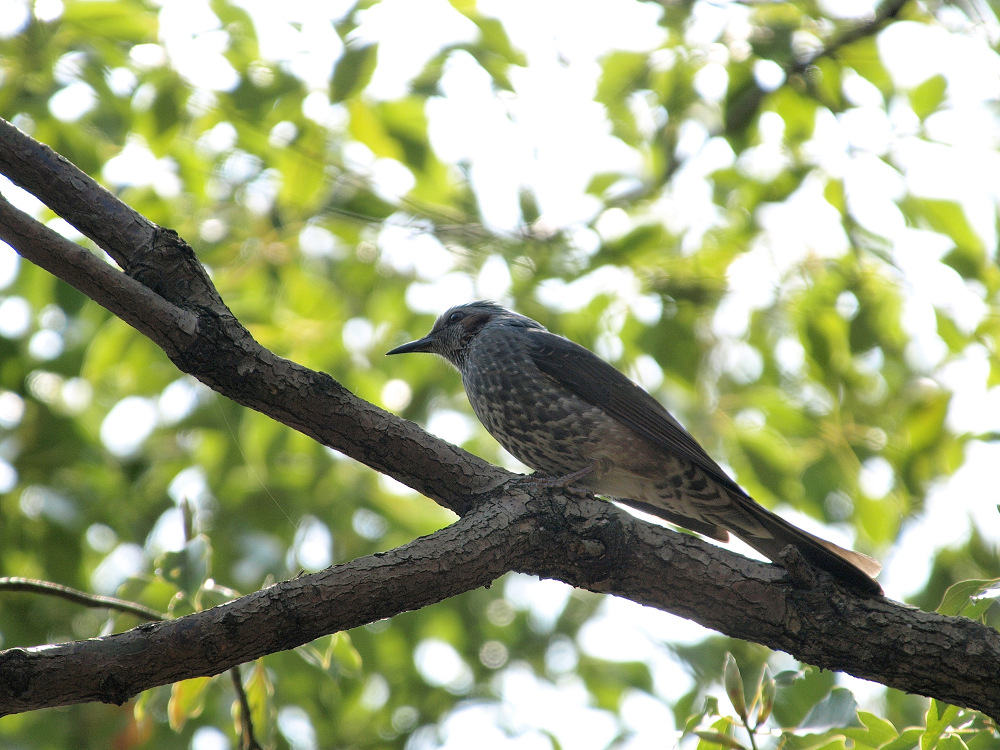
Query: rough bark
x,y
506,525
531,529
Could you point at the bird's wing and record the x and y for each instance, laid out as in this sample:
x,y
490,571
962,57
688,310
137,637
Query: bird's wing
x,y
597,382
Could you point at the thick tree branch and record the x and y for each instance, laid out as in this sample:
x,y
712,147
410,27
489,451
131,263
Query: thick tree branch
x,y
583,542
132,240
205,342
466,555
875,639
163,273
146,311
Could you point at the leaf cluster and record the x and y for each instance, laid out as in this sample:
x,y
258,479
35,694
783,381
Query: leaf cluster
x,y
802,369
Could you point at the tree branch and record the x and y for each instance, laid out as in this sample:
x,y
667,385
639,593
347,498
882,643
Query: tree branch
x,y
163,273
164,323
583,542
470,553
884,13
746,104
80,597
552,533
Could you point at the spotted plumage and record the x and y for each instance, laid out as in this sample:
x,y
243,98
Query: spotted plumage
x,y
562,410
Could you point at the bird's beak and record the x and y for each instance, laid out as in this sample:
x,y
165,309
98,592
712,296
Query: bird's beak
x,y
420,345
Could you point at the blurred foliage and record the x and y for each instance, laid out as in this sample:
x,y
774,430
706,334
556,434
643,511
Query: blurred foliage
x,y
335,225
834,722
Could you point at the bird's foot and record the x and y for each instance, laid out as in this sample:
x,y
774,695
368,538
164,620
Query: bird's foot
x,y
563,481
800,573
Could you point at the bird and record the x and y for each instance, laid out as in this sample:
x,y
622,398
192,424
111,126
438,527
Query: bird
x,y
574,418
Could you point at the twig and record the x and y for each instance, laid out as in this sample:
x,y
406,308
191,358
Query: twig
x,y
48,588
247,739
81,597
885,12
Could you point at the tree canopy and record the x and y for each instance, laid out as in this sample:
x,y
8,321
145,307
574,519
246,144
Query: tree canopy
x,y
780,218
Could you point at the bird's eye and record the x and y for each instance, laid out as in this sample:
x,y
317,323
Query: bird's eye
x,y
456,316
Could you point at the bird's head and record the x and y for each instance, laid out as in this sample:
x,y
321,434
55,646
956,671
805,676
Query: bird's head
x,y
454,331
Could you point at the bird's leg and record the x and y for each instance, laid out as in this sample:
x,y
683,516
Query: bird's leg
x,y
564,481
597,468
799,571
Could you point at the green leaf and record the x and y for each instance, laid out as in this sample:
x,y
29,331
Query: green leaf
x,y
787,677
977,735
939,716
968,261
877,731
187,701
494,52
353,71
493,37
717,738
838,711
189,568
621,74
405,121
961,594
834,194
743,101
346,655
260,695
797,111
923,425
927,97
770,458
799,692
827,80
951,742
710,707
112,20
863,56
734,686
907,739
948,218
765,695
826,336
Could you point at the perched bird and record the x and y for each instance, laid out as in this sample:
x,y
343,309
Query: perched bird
x,y
565,412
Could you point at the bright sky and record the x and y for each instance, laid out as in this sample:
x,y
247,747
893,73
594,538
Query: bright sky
x,y
523,138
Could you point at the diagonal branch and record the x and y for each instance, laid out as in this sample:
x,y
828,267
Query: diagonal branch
x,y
168,297
141,611
579,540
518,526
76,596
884,14
468,554
745,105
127,236
146,311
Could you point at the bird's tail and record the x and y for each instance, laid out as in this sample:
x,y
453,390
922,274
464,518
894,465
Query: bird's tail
x,y
854,569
